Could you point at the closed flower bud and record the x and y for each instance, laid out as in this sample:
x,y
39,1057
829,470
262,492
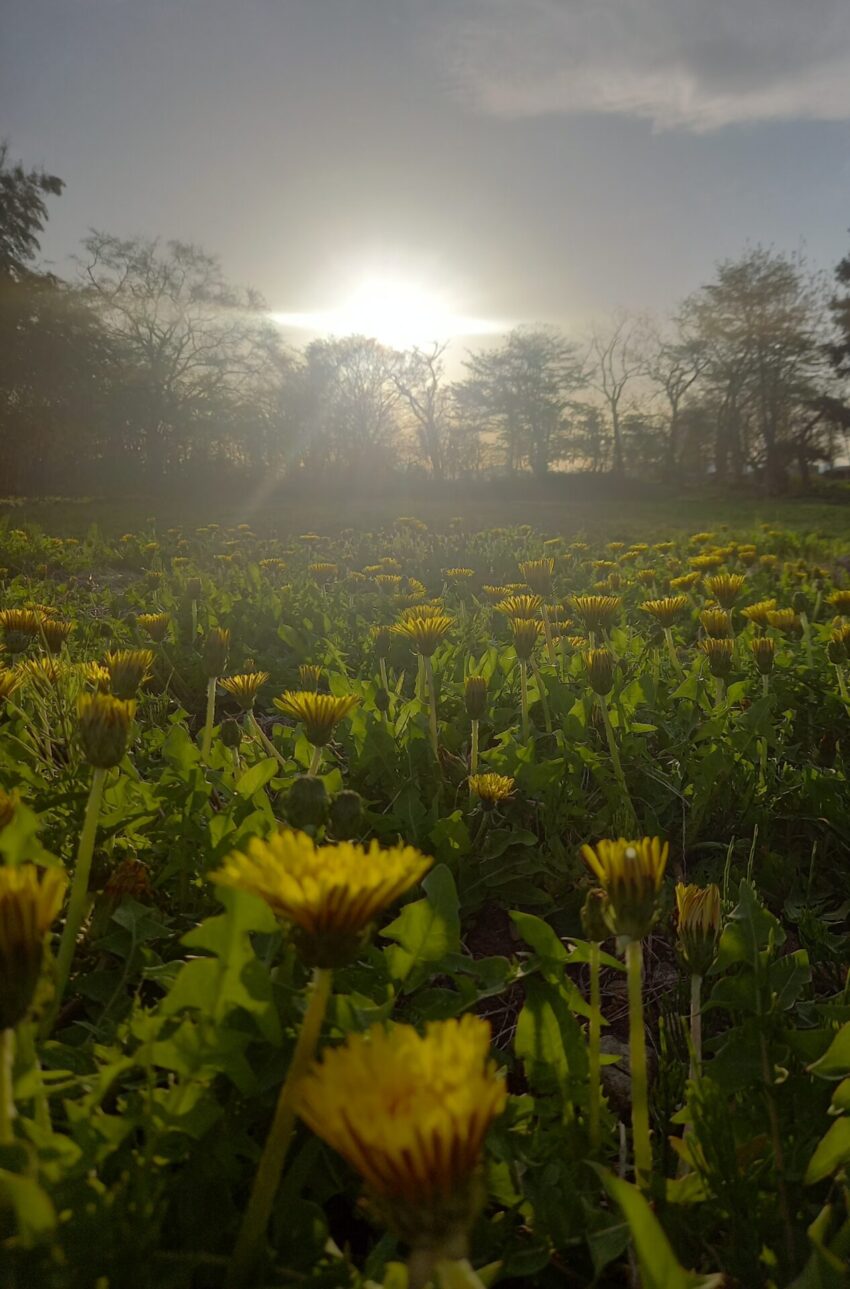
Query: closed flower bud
x,y
630,873
381,640
599,665
345,816
800,603
764,652
230,732
720,654
307,802
104,722
128,669
309,677
216,648
475,697
698,926
836,651
382,701
594,916
193,589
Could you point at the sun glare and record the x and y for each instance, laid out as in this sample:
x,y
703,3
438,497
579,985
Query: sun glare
x,y
395,312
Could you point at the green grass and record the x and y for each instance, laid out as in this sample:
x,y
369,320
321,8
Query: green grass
x,y
614,518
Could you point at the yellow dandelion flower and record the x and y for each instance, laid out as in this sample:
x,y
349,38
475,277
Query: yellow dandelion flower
x,y
323,572
492,788
104,722
155,625
596,612
525,632
720,654
128,669
599,665
425,633
410,1113
538,574
630,873
725,588
716,623
521,606
759,613
840,601
329,894
764,652
667,610
319,713
244,687
29,902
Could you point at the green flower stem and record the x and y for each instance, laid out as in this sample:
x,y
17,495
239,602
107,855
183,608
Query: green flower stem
x,y
637,1065
423,1262
523,689
265,740
594,1044
206,742
544,699
674,657
79,889
315,761
420,677
614,753
473,749
26,1047
807,638
842,686
432,705
7,1097
696,1027
547,631
719,692
385,684
269,1171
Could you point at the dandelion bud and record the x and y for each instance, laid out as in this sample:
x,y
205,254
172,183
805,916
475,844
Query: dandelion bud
x,y
382,701
630,873
381,640
155,625
594,913
475,697
307,802
193,589
29,902
56,632
104,727
720,654
599,665
309,677
764,652
216,648
230,733
538,575
698,925
836,651
716,623
800,603
345,816
128,669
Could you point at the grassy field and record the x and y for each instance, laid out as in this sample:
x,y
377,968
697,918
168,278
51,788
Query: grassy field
x,y
611,518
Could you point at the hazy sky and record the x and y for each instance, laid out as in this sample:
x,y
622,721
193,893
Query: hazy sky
x,y
530,160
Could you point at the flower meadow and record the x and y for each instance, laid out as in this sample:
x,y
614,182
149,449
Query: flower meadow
x,y
424,906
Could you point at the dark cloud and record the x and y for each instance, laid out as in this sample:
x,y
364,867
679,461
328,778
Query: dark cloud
x,y
692,64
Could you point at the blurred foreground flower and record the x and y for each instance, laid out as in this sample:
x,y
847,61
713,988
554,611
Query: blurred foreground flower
x,y
410,1113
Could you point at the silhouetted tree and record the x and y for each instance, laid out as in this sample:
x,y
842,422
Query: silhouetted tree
x,y
197,346
525,389
617,356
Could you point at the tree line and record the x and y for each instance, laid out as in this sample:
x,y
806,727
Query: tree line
x,y
149,369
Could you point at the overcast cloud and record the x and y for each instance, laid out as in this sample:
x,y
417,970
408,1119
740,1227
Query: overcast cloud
x,y
692,64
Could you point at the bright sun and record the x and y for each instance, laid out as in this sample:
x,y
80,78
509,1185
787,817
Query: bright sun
x,y
395,312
